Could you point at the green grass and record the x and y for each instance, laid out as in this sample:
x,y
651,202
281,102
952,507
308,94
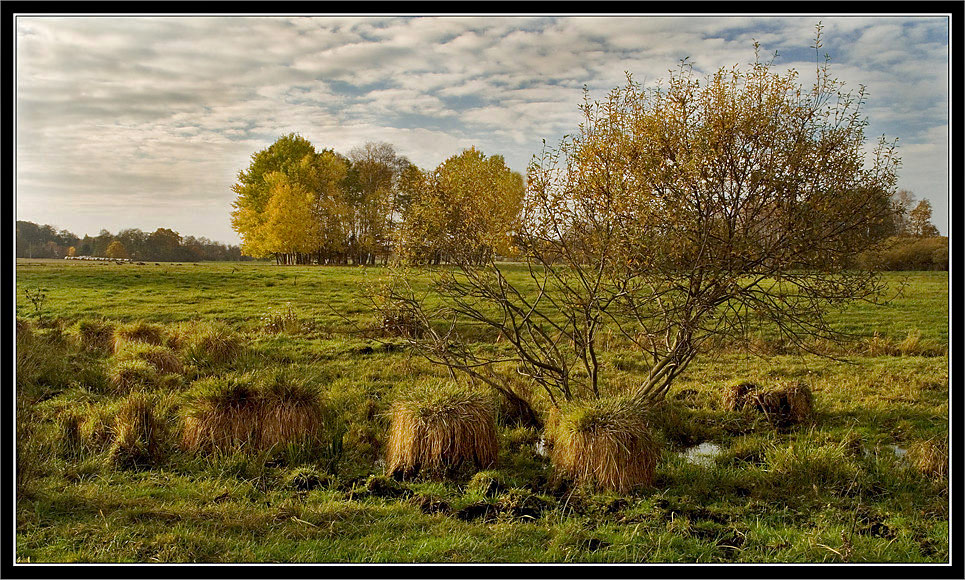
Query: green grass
x,y
831,490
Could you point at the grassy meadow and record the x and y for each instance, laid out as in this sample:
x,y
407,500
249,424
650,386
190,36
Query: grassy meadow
x,y
109,469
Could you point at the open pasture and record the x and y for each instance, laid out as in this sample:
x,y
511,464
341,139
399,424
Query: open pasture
x,y
107,475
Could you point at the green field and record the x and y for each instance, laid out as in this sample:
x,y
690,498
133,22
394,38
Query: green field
x,y
858,483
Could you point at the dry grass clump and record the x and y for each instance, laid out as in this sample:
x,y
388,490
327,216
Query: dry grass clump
x,y
735,396
96,335
605,444
139,331
140,437
254,412
930,457
783,406
210,343
162,358
437,430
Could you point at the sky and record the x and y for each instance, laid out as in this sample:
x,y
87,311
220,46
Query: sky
x,y
135,122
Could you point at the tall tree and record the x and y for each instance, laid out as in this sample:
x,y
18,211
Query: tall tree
x,y
372,186
466,210
284,156
695,211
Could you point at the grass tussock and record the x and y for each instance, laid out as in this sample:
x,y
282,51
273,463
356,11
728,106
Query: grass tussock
x,y
736,395
254,412
162,358
95,335
210,343
438,430
129,375
140,436
605,444
792,404
45,362
139,331
930,457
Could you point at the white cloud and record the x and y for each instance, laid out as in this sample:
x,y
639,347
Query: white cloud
x,y
149,117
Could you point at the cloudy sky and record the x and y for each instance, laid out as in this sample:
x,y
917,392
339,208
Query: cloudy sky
x,y
145,122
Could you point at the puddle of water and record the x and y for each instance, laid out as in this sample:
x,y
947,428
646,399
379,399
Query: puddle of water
x,y
898,451
541,447
703,454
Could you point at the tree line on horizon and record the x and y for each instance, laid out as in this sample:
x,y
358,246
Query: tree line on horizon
x,y
161,245
299,205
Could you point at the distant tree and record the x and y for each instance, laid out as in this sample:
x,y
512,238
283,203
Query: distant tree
x,y
466,210
373,198
919,221
164,245
117,250
72,251
903,201
696,211
285,156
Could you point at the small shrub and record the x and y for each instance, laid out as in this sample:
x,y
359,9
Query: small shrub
x,y
96,335
139,331
439,430
606,444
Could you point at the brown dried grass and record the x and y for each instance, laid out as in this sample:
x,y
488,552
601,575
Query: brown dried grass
x,y
735,396
436,431
606,445
788,405
249,413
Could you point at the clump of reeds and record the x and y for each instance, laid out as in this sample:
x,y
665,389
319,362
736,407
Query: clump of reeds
x,y
96,335
605,444
210,343
140,436
438,430
139,331
788,405
162,358
930,457
258,412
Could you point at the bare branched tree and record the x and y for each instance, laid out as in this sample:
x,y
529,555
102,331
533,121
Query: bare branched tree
x,y
694,210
